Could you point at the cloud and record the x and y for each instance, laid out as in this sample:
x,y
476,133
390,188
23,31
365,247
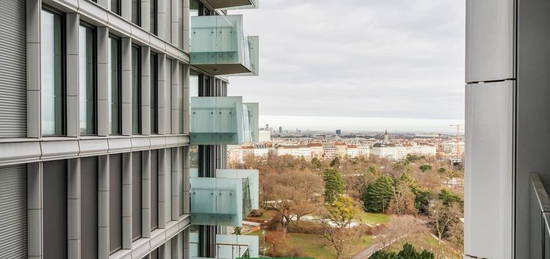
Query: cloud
x,y
358,58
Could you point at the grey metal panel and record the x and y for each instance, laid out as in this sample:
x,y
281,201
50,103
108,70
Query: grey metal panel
x,y
89,206
13,88
55,210
489,171
489,40
115,201
136,195
13,212
154,189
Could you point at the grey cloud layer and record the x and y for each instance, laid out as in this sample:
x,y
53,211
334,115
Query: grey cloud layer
x,y
358,58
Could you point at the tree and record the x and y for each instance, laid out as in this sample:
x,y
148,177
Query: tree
x,y
408,252
441,170
334,184
425,167
403,200
399,227
443,217
335,162
448,197
292,194
378,194
338,230
421,200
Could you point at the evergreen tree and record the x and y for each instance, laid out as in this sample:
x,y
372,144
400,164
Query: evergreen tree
x,y
408,252
378,194
334,184
448,197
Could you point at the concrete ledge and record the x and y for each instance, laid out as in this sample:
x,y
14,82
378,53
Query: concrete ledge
x,y
35,150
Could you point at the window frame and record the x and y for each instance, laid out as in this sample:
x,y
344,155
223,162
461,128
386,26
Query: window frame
x,y
154,92
63,131
94,77
118,6
119,85
139,130
138,11
154,20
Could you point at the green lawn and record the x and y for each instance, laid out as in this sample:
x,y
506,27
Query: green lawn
x,y
374,218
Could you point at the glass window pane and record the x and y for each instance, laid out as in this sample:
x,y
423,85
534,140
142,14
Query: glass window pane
x,y
114,92
136,12
115,6
52,74
87,80
136,90
154,93
153,17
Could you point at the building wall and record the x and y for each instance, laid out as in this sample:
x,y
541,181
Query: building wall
x,y
61,172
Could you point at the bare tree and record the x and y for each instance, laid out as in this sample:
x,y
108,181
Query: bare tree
x,y
443,217
399,227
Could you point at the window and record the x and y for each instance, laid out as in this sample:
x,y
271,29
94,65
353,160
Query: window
x,y
115,86
115,6
55,209
136,90
136,12
154,190
136,195
193,84
52,71
154,94
89,207
115,202
153,17
169,96
87,79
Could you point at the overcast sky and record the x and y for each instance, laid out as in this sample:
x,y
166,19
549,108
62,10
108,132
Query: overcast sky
x,y
383,62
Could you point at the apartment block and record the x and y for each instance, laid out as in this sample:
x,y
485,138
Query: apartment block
x,y
99,126
507,110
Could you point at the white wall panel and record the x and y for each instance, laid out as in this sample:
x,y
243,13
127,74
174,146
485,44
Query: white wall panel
x,y
489,169
489,40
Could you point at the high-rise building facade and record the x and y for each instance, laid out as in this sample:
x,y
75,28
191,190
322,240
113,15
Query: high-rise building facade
x,y
507,125
96,112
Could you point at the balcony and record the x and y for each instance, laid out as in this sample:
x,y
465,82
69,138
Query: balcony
x,y
219,46
229,246
540,219
233,4
223,121
225,200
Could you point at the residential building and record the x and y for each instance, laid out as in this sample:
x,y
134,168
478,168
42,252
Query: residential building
x,y
95,129
316,149
507,110
265,136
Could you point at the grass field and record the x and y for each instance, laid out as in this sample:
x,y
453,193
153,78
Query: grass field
x,y
374,218
314,245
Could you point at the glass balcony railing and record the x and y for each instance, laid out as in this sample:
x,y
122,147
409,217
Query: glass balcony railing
x,y
233,4
225,200
229,246
540,219
220,47
223,121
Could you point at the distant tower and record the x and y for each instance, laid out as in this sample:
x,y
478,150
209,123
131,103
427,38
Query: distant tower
x,y
266,126
280,129
338,132
386,137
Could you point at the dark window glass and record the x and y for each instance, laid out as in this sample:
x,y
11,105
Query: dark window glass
x,y
115,6
136,195
155,254
136,90
87,79
180,98
52,74
136,12
154,190
55,210
154,93
89,207
115,86
182,182
115,202
154,17
169,97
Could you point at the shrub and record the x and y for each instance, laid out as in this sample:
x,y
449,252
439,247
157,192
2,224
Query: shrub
x,y
256,213
306,227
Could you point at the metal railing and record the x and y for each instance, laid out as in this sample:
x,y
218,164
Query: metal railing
x,y
539,219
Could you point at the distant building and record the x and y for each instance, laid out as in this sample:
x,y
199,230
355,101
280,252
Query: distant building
x,y
264,136
398,152
338,132
280,129
316,150
341,149
330,151
295,151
